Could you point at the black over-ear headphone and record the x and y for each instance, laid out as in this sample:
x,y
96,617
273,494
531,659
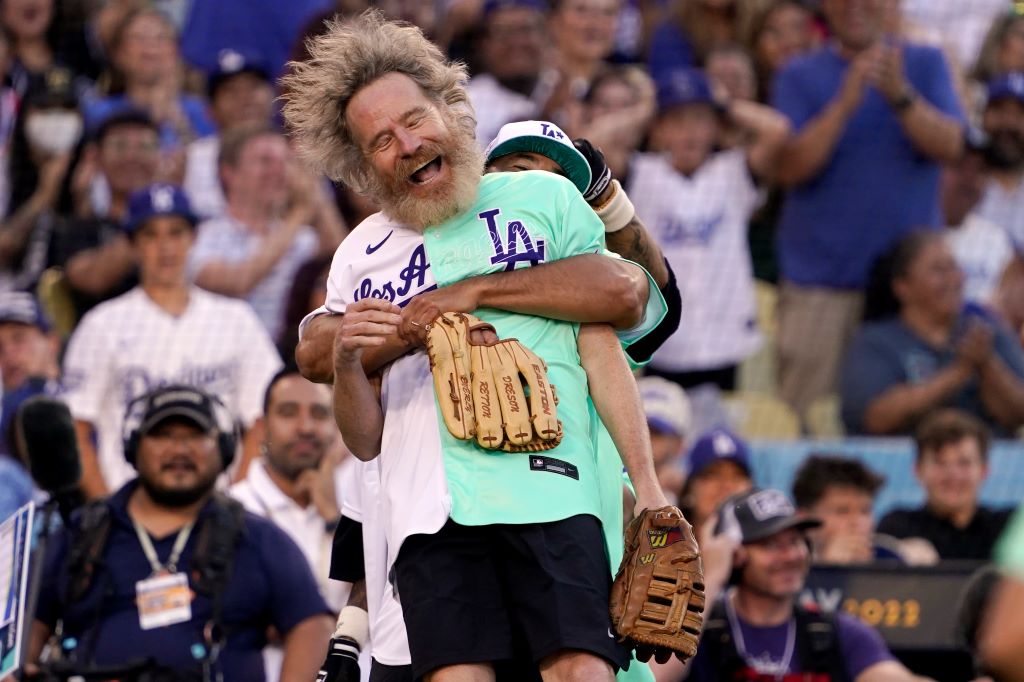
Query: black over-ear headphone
x,y
139,408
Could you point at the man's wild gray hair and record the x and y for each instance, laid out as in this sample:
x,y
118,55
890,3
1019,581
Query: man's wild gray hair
x,y
351,55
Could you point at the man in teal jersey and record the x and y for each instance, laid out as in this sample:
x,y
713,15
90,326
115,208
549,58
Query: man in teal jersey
x,y
397,138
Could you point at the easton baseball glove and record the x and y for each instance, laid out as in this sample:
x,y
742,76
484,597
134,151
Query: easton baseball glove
x,y
498,395
658,594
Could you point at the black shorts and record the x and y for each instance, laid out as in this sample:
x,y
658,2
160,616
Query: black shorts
x,y
515,592
390,673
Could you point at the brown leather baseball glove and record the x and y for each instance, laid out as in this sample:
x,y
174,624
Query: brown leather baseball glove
x,y
657,598
497,394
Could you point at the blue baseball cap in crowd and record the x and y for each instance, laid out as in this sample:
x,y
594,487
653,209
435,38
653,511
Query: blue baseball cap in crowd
x,y
1008,86
21,307
680,87
491,6
231,62
716,445
156,200
546,139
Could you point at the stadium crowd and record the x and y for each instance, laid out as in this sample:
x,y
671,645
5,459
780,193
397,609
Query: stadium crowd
x,y
836,185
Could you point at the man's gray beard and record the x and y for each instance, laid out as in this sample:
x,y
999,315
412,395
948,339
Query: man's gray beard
x,y
466,162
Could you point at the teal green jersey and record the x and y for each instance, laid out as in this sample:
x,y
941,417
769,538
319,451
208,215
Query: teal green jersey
x,y
1010,548
519,220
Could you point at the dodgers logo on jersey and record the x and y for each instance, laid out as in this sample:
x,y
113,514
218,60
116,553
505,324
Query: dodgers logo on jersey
x,y
518,246
691,232
410,281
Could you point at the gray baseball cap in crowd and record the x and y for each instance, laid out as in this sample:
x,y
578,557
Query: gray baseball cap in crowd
x,y
761,513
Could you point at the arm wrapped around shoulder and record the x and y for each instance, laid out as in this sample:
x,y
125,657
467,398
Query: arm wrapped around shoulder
x,y
657,598
494,392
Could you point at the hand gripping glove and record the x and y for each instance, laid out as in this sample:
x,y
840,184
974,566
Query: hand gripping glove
x,y
658,595
498,395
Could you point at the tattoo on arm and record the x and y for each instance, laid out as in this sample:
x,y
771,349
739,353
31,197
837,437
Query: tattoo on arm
x,y
634,242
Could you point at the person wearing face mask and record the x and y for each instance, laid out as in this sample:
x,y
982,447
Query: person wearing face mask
x,y
43,146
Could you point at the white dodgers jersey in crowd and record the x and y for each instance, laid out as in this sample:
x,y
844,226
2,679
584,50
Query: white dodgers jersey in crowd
x,y
701,224
127,346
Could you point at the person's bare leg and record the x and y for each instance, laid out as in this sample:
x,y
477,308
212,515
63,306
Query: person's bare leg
x,y
463,672
576,666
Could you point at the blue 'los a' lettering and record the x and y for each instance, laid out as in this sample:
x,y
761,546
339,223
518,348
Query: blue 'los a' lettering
x,y
410,280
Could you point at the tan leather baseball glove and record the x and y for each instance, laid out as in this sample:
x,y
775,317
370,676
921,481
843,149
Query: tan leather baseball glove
x,y
657,598
498,395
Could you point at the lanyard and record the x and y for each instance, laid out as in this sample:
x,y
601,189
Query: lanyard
x,y
764,665
147,548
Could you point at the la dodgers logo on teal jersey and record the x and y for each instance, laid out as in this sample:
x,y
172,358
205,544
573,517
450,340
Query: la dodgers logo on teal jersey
x,y
516,235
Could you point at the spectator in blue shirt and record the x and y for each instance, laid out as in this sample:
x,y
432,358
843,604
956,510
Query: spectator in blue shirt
x,y
162,534
873,119
146,74
924,349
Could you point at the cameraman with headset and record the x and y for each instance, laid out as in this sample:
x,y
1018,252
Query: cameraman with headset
x,y
167,580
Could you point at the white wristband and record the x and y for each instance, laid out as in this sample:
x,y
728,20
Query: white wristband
x,y
618,211
354,623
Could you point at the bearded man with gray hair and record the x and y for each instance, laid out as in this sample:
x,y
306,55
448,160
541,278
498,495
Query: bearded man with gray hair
x,y
486,549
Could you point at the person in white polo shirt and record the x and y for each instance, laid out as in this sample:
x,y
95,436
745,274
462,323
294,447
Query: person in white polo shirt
x,y
292,484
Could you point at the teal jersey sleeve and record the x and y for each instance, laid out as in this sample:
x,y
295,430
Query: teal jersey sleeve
x,y
583,232
654,313
1010,548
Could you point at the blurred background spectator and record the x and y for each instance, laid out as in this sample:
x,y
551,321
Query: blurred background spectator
x,y
241,93
166,330
146,72
840,492
697,203
91,246
773,32
254,250
1003,120
718,466
265,27
42,151
849,199
923,348
982,249
509,54
29,361
951,466
689,31
583,38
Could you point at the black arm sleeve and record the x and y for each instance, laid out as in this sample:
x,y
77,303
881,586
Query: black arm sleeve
x,y
642,350
347,552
